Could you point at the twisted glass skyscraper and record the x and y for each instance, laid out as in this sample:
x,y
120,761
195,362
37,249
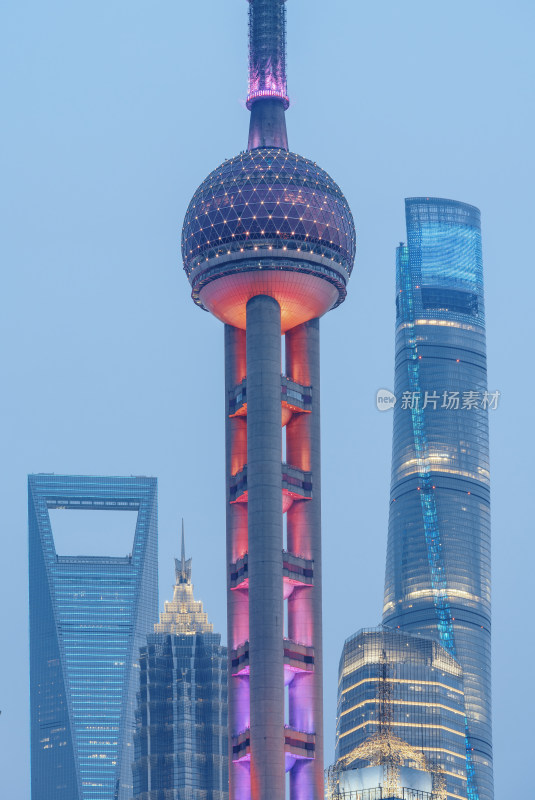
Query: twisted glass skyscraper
x,y
438,561
88,618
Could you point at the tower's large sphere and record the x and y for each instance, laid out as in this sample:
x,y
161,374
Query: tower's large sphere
x,y
268,222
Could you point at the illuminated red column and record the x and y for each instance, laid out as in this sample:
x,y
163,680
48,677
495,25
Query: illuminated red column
x,y
304,539
237,599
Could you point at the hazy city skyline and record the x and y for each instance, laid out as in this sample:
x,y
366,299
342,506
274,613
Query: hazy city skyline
x,y
111,369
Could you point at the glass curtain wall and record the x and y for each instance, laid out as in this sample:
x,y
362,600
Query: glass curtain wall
x,y
438,560
88,617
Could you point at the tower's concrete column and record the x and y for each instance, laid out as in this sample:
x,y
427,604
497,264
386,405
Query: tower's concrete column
x,y
304,538
237,601
264,486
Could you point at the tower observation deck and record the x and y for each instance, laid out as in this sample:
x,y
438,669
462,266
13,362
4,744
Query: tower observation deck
x,y
268,245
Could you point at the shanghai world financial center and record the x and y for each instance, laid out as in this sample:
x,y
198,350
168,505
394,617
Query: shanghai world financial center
x,y
414,699
88,619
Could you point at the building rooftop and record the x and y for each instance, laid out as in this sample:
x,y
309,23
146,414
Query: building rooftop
x,y
183,614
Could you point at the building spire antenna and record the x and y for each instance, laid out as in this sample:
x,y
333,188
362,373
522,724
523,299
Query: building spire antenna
x,y
183,567
267,98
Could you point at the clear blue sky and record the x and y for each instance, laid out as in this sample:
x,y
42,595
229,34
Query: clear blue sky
x,y
113,113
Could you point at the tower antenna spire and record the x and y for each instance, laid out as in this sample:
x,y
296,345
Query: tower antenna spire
x,y
183,567
267,98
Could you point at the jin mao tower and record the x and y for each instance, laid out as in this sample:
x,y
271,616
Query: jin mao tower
x,y
180,743
268,246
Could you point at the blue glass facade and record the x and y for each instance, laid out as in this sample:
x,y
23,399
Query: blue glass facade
x,y
181,740
88,618
181,743
438,560
412,686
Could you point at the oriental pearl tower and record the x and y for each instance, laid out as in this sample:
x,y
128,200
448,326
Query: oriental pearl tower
x,y
268,245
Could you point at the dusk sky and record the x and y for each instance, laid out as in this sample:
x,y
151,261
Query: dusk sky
x,y
113,114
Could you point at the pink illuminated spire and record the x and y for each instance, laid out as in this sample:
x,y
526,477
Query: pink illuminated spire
x,y
267,98
267,51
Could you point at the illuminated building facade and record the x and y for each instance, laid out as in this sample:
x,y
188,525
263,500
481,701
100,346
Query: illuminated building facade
x,y
412,688
88,618
181,740
268,245
438,560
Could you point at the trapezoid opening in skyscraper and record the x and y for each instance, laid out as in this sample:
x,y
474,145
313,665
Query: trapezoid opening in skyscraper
x,y
89,615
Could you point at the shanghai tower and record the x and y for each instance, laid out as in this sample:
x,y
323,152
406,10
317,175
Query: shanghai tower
x,y
438,560
268,245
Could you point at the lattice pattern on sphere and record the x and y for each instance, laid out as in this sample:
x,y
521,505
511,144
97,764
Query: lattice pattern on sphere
x,y
268,197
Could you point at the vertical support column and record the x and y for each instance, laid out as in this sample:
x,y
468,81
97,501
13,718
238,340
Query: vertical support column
x,y
304,538
264,487
149,730
237,601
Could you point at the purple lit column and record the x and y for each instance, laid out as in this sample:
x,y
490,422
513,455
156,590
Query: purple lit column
x,y
304,538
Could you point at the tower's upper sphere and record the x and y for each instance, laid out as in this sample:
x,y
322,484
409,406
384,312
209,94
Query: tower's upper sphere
x,y
268,222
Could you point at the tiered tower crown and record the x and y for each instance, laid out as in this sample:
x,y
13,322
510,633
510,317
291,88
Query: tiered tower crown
x,y
183,614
